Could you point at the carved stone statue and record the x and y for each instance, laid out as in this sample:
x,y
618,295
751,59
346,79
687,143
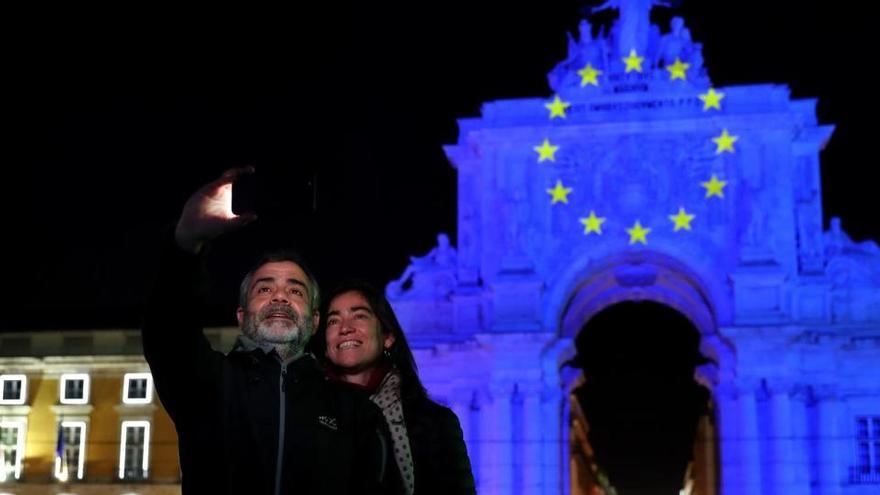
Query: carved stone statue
x,y
696,59
585,34
838,242
635,22
835,238
430,275
677,43
586,49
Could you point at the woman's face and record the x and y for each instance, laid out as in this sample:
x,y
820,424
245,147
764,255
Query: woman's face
x,y
354,337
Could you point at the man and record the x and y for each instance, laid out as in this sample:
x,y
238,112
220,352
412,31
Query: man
x,y
263,419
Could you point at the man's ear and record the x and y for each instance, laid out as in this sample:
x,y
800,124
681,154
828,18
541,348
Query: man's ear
x,y
239,315
316,319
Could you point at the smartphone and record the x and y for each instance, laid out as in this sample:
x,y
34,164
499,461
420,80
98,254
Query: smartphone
x,y
275,192
245,194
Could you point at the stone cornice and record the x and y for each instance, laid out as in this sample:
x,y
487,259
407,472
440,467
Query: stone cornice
x,y
52,366
68,410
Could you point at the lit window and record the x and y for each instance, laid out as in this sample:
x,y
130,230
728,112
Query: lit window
x,y
74,388
13,389
138,388
70,450
11,449
134,450
868,448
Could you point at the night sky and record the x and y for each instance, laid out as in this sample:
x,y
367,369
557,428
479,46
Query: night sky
x,y
115,117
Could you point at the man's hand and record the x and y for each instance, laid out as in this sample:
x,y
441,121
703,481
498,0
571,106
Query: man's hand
x,y
207,214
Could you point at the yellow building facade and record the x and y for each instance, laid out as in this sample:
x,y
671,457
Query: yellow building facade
x,y
79,415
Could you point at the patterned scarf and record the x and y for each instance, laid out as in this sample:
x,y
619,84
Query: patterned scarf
x,y
387,397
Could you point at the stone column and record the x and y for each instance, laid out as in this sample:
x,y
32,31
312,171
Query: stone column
x,y
565,444
739,440
827,438
800,445
727,418
533,440
496,446
553,418
749,441
781,468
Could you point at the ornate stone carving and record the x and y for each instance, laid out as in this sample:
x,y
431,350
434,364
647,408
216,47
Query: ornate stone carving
x,y
428,276
634,25
676,44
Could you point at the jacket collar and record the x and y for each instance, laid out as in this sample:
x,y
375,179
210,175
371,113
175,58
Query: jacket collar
x,y
247,345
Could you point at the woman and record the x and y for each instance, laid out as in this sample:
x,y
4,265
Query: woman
x,y
363,345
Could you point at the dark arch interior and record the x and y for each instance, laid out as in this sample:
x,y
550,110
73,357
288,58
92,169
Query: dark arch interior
x,y
639,396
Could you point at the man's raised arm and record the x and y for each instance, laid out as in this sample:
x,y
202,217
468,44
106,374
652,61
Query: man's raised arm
x,y
179,355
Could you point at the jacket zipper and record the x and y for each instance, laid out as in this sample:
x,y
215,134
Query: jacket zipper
x,y
282,388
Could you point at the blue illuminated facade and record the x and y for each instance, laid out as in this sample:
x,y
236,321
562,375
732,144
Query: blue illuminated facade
x,y
638,180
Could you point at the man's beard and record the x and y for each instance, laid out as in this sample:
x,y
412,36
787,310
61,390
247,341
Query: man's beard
x,y
293,333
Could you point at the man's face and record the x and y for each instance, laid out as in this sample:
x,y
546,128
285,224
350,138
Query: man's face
x,y
278,305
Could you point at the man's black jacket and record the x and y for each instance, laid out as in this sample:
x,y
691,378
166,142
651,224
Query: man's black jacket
x,y
228,411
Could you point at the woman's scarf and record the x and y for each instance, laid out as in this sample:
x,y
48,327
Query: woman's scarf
x,y
387,397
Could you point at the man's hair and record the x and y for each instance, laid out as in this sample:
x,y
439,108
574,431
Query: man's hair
x,y
277,257
400,353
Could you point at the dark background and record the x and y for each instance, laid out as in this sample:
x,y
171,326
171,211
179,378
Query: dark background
x,y
115,116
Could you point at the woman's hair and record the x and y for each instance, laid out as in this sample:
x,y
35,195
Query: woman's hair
x,y
399,353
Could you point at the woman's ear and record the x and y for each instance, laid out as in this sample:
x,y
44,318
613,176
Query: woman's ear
x,y
389,341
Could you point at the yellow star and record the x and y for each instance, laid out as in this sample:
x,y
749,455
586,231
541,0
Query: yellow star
x,y
714,187
725,142
678,70
546,151
633,62
638,234
559,193
711,99
557,107
589,75
592,223
682,220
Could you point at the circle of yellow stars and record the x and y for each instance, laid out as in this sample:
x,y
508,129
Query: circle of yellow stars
x,y
724,142
638,233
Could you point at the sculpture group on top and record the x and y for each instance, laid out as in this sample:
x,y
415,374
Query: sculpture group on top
x,y
632,44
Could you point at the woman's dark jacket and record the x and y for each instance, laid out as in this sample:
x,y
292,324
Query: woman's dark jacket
x,y
229,414
440,459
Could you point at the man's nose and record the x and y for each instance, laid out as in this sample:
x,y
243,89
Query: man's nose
x,y
280,297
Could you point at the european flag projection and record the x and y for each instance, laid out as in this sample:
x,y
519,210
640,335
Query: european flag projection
x,y
642,298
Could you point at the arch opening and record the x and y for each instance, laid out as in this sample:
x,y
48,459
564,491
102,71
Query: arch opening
x,y
639,421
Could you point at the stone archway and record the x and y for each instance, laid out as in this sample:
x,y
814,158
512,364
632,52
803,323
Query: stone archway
x,y
637,407
650,277
639,276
